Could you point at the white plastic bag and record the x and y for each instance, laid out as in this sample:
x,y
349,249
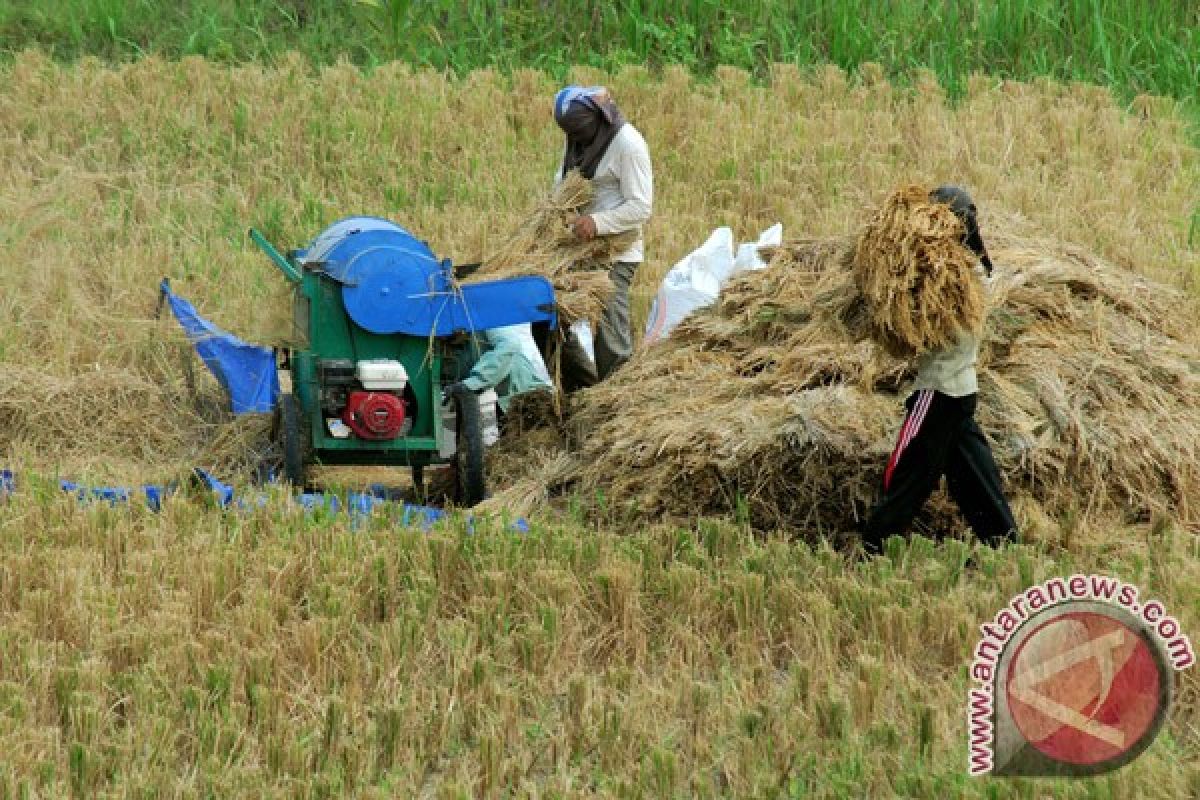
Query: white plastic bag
x,y
491,422
692,283
696,281
748,256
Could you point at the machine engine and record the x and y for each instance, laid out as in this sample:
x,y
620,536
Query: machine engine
x,y
368,399
374,415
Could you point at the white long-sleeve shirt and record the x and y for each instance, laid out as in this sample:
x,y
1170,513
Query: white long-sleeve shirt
x,y
624,184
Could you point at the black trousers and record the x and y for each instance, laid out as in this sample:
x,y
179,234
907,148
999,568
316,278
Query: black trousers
x,y
940,437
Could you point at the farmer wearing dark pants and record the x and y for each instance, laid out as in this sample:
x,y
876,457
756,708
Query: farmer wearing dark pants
x,y
940,435
612,154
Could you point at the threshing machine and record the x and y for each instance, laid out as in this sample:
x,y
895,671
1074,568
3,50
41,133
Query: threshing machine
x,y
380,326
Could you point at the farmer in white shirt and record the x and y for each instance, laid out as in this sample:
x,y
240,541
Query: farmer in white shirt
x,y
611,153
940,435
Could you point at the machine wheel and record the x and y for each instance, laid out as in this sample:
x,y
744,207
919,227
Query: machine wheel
x,y
294,445
470,487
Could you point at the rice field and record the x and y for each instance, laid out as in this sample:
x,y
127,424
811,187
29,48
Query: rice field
x,y
204,653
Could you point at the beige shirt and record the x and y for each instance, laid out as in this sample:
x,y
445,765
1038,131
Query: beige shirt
x,y
624,184
951,370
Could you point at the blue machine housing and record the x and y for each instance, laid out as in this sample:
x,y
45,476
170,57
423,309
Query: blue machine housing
x,y
392,283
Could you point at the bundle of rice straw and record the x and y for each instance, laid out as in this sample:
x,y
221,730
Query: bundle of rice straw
x,y
916,275
123,423
776,401
544,244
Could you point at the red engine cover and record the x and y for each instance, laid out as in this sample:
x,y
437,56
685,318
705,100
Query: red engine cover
x,y
374,415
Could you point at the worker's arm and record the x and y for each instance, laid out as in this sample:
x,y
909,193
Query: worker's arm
x,y
636,178
492,367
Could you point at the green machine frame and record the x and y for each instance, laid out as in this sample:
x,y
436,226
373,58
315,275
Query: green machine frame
x,y
323,330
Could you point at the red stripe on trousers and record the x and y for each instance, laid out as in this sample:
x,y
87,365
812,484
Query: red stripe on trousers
x,y
912,426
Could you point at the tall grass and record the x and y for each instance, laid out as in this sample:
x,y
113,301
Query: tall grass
x,y
1137,45
197,653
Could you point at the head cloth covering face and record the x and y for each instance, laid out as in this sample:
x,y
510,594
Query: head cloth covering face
x,y
963,206
591,120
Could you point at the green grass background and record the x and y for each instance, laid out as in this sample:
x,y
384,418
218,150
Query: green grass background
x,y
1137,45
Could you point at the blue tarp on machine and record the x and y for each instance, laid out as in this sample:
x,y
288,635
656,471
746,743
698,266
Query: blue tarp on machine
x,y
392,283
245,371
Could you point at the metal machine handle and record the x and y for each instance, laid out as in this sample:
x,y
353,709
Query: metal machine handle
x,y
285,266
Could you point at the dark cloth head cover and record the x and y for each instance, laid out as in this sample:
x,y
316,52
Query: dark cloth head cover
x,y
591,120
964,208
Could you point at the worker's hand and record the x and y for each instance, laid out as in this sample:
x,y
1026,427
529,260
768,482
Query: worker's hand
x,y
584,227
448,392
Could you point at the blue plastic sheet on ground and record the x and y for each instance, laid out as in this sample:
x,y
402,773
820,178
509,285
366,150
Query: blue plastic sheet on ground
x,y
357,504
114,495
315,501
421,515
361,504
155,496
222,492
246,371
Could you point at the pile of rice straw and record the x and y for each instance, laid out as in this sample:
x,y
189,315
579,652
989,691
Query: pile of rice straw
x,y
544,244
777,401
